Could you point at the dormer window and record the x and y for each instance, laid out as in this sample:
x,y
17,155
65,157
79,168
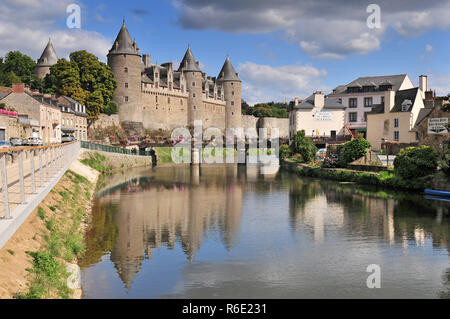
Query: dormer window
x,y
405,105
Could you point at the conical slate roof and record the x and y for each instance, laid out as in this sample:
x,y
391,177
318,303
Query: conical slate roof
x,y
228,73
48,57
124,44
188,63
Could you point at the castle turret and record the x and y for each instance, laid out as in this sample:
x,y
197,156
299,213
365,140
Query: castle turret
x,y
124,60
193,75
47,59
231,84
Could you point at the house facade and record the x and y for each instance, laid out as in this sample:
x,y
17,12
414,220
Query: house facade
x,y
394,120
36,109
360,95
74,118
318,116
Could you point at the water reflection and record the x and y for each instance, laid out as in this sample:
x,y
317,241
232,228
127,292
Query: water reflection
x,y
235,209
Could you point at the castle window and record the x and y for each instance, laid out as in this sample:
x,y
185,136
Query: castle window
x,y
156,99
193,94
126,98
126,85
168,100
232,102
181,101
232,92
126,70
193,83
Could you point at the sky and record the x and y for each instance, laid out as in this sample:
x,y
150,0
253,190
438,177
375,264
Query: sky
x,y
281,49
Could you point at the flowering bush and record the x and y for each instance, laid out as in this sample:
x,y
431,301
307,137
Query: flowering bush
x,y
330,162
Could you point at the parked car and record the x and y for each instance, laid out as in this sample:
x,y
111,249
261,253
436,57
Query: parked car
x,y
16,141
66,138
321,154
34,141
4,145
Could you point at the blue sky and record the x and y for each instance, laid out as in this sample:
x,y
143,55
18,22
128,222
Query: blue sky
x,y
281,49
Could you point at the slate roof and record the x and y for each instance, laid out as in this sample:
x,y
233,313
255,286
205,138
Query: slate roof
x,y
423,113
329,103
228,73
394,80
189,63
48,57
401,96
123,43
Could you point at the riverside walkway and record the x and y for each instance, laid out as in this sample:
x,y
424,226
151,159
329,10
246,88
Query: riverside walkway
x,y
28,179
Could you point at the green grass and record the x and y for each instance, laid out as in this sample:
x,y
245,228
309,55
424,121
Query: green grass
x,y
63,242
96,161
164,154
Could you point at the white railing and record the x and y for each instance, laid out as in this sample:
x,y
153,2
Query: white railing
x,y
26,181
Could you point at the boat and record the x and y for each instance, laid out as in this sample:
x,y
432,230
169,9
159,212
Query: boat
x,y
437,193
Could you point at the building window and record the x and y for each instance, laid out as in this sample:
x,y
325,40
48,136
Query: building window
x,y
193,94
232,92
168,100
396,135
382,100
156,98
181,101
365,116
367,102
353,102
126,85
193,83
156,75
352,116
232,102
396,123
126,70
126,98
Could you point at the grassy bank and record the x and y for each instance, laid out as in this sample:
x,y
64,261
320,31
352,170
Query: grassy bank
x,y
104,162
62,213
379,179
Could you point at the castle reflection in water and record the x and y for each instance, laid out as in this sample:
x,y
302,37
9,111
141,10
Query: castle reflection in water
x,y
143,210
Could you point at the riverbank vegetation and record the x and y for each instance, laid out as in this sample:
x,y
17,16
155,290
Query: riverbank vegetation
x,y
414,167
63,213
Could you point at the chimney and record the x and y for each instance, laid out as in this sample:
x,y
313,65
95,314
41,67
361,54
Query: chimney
x,y
18,87
319,99
146,60
423,83
389,100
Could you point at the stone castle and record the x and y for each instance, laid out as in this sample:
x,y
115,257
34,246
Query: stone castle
x,y
154,96
151,96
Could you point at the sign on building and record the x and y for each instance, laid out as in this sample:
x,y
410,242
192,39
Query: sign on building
x,y
438,125
323,116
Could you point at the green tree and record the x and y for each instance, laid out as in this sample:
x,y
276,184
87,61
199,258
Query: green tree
x,y
111,108
303,146
353,150
18,68
413,162
85,79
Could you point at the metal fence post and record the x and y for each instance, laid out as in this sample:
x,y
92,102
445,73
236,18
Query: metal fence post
x,y
46,165
21,178
40,168
33,178
7,214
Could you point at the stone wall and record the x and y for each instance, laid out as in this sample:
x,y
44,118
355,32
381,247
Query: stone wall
x,y
105,121
249,121
12,127
272,122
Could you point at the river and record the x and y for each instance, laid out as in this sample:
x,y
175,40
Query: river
x,y
232,232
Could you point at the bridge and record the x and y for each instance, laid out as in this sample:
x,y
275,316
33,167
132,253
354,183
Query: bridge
x,y
27,175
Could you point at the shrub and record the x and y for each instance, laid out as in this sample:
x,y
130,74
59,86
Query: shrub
x,y
303,146
330,162
445,164
285,151
353,150
413,162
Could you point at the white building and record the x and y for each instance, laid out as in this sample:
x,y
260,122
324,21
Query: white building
x,y
359,96
318,116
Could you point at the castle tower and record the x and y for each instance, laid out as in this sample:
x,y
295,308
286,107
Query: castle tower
x,y
193,75
231,83
124,60
47,59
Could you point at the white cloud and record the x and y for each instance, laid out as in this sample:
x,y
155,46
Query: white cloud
x,y
428,48
327,29
264,83
26,25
